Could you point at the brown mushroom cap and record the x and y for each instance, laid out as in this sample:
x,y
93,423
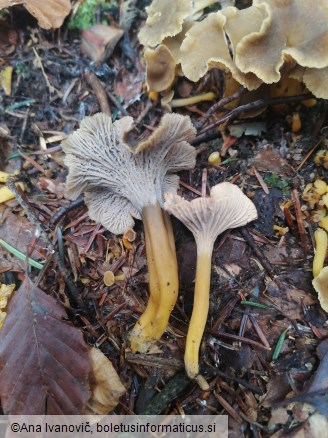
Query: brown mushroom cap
x,y
199,53
165,18
50,13
160,68
227,207
119,179
293,28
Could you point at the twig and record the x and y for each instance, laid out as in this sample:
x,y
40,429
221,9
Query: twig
x,y
228,408
99,91
117,103
299,219
242,339
44,230
247,107
219,105
311,152
259,254
64,210
157,404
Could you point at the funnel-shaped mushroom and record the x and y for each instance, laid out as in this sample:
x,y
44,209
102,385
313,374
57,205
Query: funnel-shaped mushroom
x,y
121,182
227,207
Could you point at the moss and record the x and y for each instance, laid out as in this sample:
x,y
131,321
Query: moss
x,y
86,15
275,180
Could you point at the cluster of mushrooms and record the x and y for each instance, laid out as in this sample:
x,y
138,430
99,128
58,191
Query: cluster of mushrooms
x,y
123,179
255,45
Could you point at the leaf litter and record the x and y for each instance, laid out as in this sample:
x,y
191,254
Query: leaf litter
x,y
263,267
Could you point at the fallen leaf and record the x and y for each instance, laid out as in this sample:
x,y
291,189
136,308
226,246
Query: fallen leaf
x,y
18,232
44,365
269,160
50,13
106,386
5,79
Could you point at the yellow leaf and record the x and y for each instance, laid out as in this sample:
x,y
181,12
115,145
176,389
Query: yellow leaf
x,y
5,79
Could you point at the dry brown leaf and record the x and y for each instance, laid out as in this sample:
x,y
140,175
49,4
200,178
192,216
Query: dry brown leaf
x,y
49,13
18,232
44,364
106,386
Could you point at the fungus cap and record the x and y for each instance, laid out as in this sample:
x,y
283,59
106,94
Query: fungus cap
x,y
50,13
160,68
226,207
292,29
199,53
320,284
165,18
118,179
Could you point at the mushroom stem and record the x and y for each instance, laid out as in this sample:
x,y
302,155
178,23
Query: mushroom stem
x,y
136,340
200,311
163,279
192,100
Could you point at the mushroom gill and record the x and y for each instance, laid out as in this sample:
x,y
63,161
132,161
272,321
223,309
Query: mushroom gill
x,y
227,207
121,181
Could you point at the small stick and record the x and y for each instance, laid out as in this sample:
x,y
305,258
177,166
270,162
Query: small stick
x,y
158,403
242,339
219,105
261,181
187,186
63,210
44,230
228,408
99,91
259,331
264,261
205,135
117,103
299,219
310,152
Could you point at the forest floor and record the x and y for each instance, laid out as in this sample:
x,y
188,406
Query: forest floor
x,y
264,340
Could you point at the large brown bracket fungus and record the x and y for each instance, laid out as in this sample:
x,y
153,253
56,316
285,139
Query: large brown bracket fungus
x,y
121,182
227,207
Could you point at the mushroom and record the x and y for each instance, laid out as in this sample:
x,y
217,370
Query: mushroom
x,y
110,278
121,182
161,65
227,207
50,14
320,284
200,53
293,30
165,18
321,246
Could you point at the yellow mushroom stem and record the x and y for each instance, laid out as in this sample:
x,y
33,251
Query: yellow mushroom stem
x,y
175,103
321,245
163,279
136,338
199,314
